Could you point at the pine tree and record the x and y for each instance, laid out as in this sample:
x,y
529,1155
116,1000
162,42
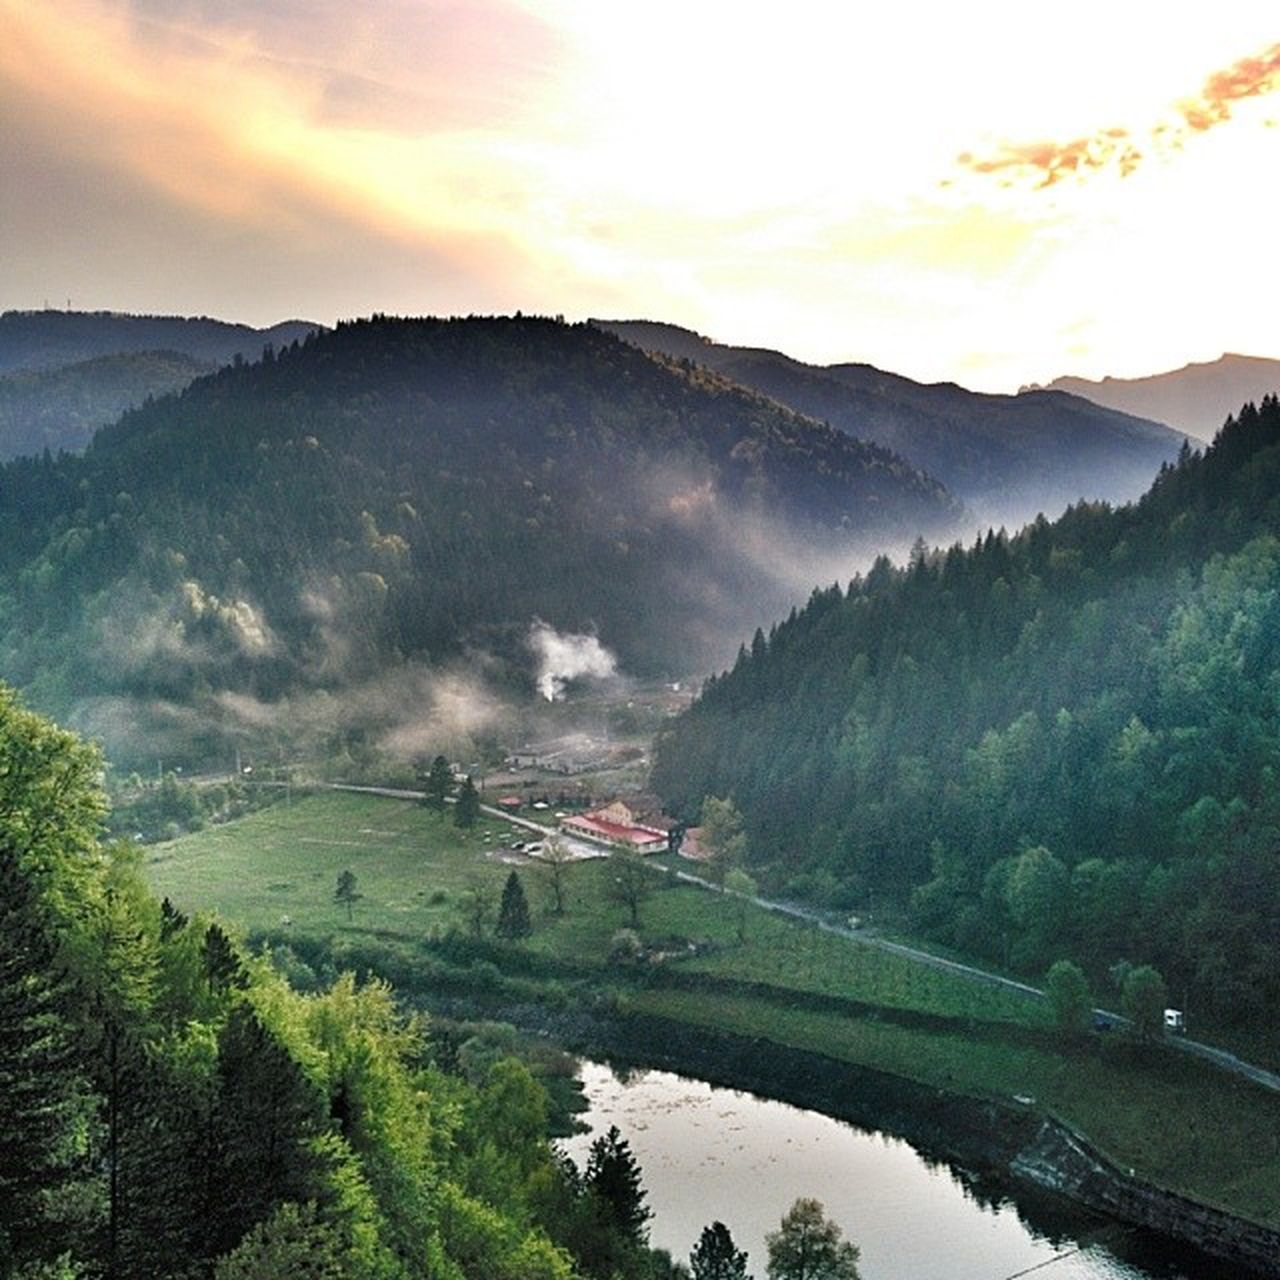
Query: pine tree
x,y
467,810
513,915
716,1257
222,966
40,1092
613,1177
438,784
266,1110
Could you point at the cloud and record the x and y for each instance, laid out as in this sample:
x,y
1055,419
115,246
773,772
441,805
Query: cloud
x,y
1115,149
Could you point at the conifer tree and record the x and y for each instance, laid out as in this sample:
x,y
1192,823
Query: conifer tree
x,y
467,810
222,966
513,915
438,784
40,1092
716,1257
613,1176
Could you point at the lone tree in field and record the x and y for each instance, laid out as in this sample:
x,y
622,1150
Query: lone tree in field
x,y
556,857
808,1246
743,888
716,1257
438,784
467,810
632,882
477,904
513,914
1143,999
346,894
1068,992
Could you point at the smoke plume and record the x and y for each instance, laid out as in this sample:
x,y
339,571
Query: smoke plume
x,y
565,656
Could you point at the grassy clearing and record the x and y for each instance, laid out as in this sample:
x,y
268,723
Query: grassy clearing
x,y
1185,1125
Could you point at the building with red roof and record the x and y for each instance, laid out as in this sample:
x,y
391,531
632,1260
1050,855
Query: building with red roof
x,y
615,825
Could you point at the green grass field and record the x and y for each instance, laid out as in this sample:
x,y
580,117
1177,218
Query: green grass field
x,y
1183,1124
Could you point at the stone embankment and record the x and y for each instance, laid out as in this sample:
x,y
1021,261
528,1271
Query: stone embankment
x,y
1060,1160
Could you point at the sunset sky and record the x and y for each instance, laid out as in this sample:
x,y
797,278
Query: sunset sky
x,y
991,192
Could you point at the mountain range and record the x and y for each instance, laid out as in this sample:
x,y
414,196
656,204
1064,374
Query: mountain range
x,y
1007,457
423,493
1196,398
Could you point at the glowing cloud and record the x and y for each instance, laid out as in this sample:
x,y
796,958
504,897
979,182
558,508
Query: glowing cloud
x,y
1048,163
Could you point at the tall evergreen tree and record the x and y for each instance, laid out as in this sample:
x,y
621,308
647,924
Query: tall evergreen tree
x,y
613,1177
716,1257
513,914
41,1094
467,809
222,966
267,1109
437,784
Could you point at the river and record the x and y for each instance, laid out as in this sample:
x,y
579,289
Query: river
x,y
708,1152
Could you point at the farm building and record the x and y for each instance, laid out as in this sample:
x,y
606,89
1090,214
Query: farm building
x,y
616,825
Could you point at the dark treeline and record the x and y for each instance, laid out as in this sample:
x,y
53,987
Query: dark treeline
x,y
1063,743
409,489
172,1109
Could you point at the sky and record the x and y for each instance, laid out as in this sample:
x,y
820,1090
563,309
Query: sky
x,y
994,193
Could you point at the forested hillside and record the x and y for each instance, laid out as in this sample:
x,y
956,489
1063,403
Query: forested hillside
x,y
174,1109
61,408
1008,457
1064,743
401,491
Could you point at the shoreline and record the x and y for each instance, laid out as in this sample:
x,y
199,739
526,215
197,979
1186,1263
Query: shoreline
x,y
1002,1149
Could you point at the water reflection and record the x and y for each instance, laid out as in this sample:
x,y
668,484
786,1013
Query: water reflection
x,y
711,1153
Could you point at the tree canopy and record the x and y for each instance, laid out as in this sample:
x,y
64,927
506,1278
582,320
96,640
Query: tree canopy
x,y
1058,744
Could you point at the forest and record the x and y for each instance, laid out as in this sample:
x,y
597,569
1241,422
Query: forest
x,y
174,1109
1058,744
419,491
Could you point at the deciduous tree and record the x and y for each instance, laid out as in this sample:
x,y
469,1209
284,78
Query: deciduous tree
x,y
346,894
809,1246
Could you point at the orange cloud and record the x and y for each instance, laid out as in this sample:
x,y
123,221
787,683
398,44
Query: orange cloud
x,y
1046,163
1247,78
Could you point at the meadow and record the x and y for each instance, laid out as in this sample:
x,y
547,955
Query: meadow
x,y
274,872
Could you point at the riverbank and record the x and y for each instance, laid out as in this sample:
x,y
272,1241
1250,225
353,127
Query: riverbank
x,y
1001,1150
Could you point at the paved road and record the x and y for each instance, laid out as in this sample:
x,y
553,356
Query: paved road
x,y
1207,1052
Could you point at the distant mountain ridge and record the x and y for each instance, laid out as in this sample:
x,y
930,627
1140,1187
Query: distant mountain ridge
x,y
1009,457
1196,398
32,340
64,374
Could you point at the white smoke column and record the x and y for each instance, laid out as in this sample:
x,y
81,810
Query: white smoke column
x,y
563,657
